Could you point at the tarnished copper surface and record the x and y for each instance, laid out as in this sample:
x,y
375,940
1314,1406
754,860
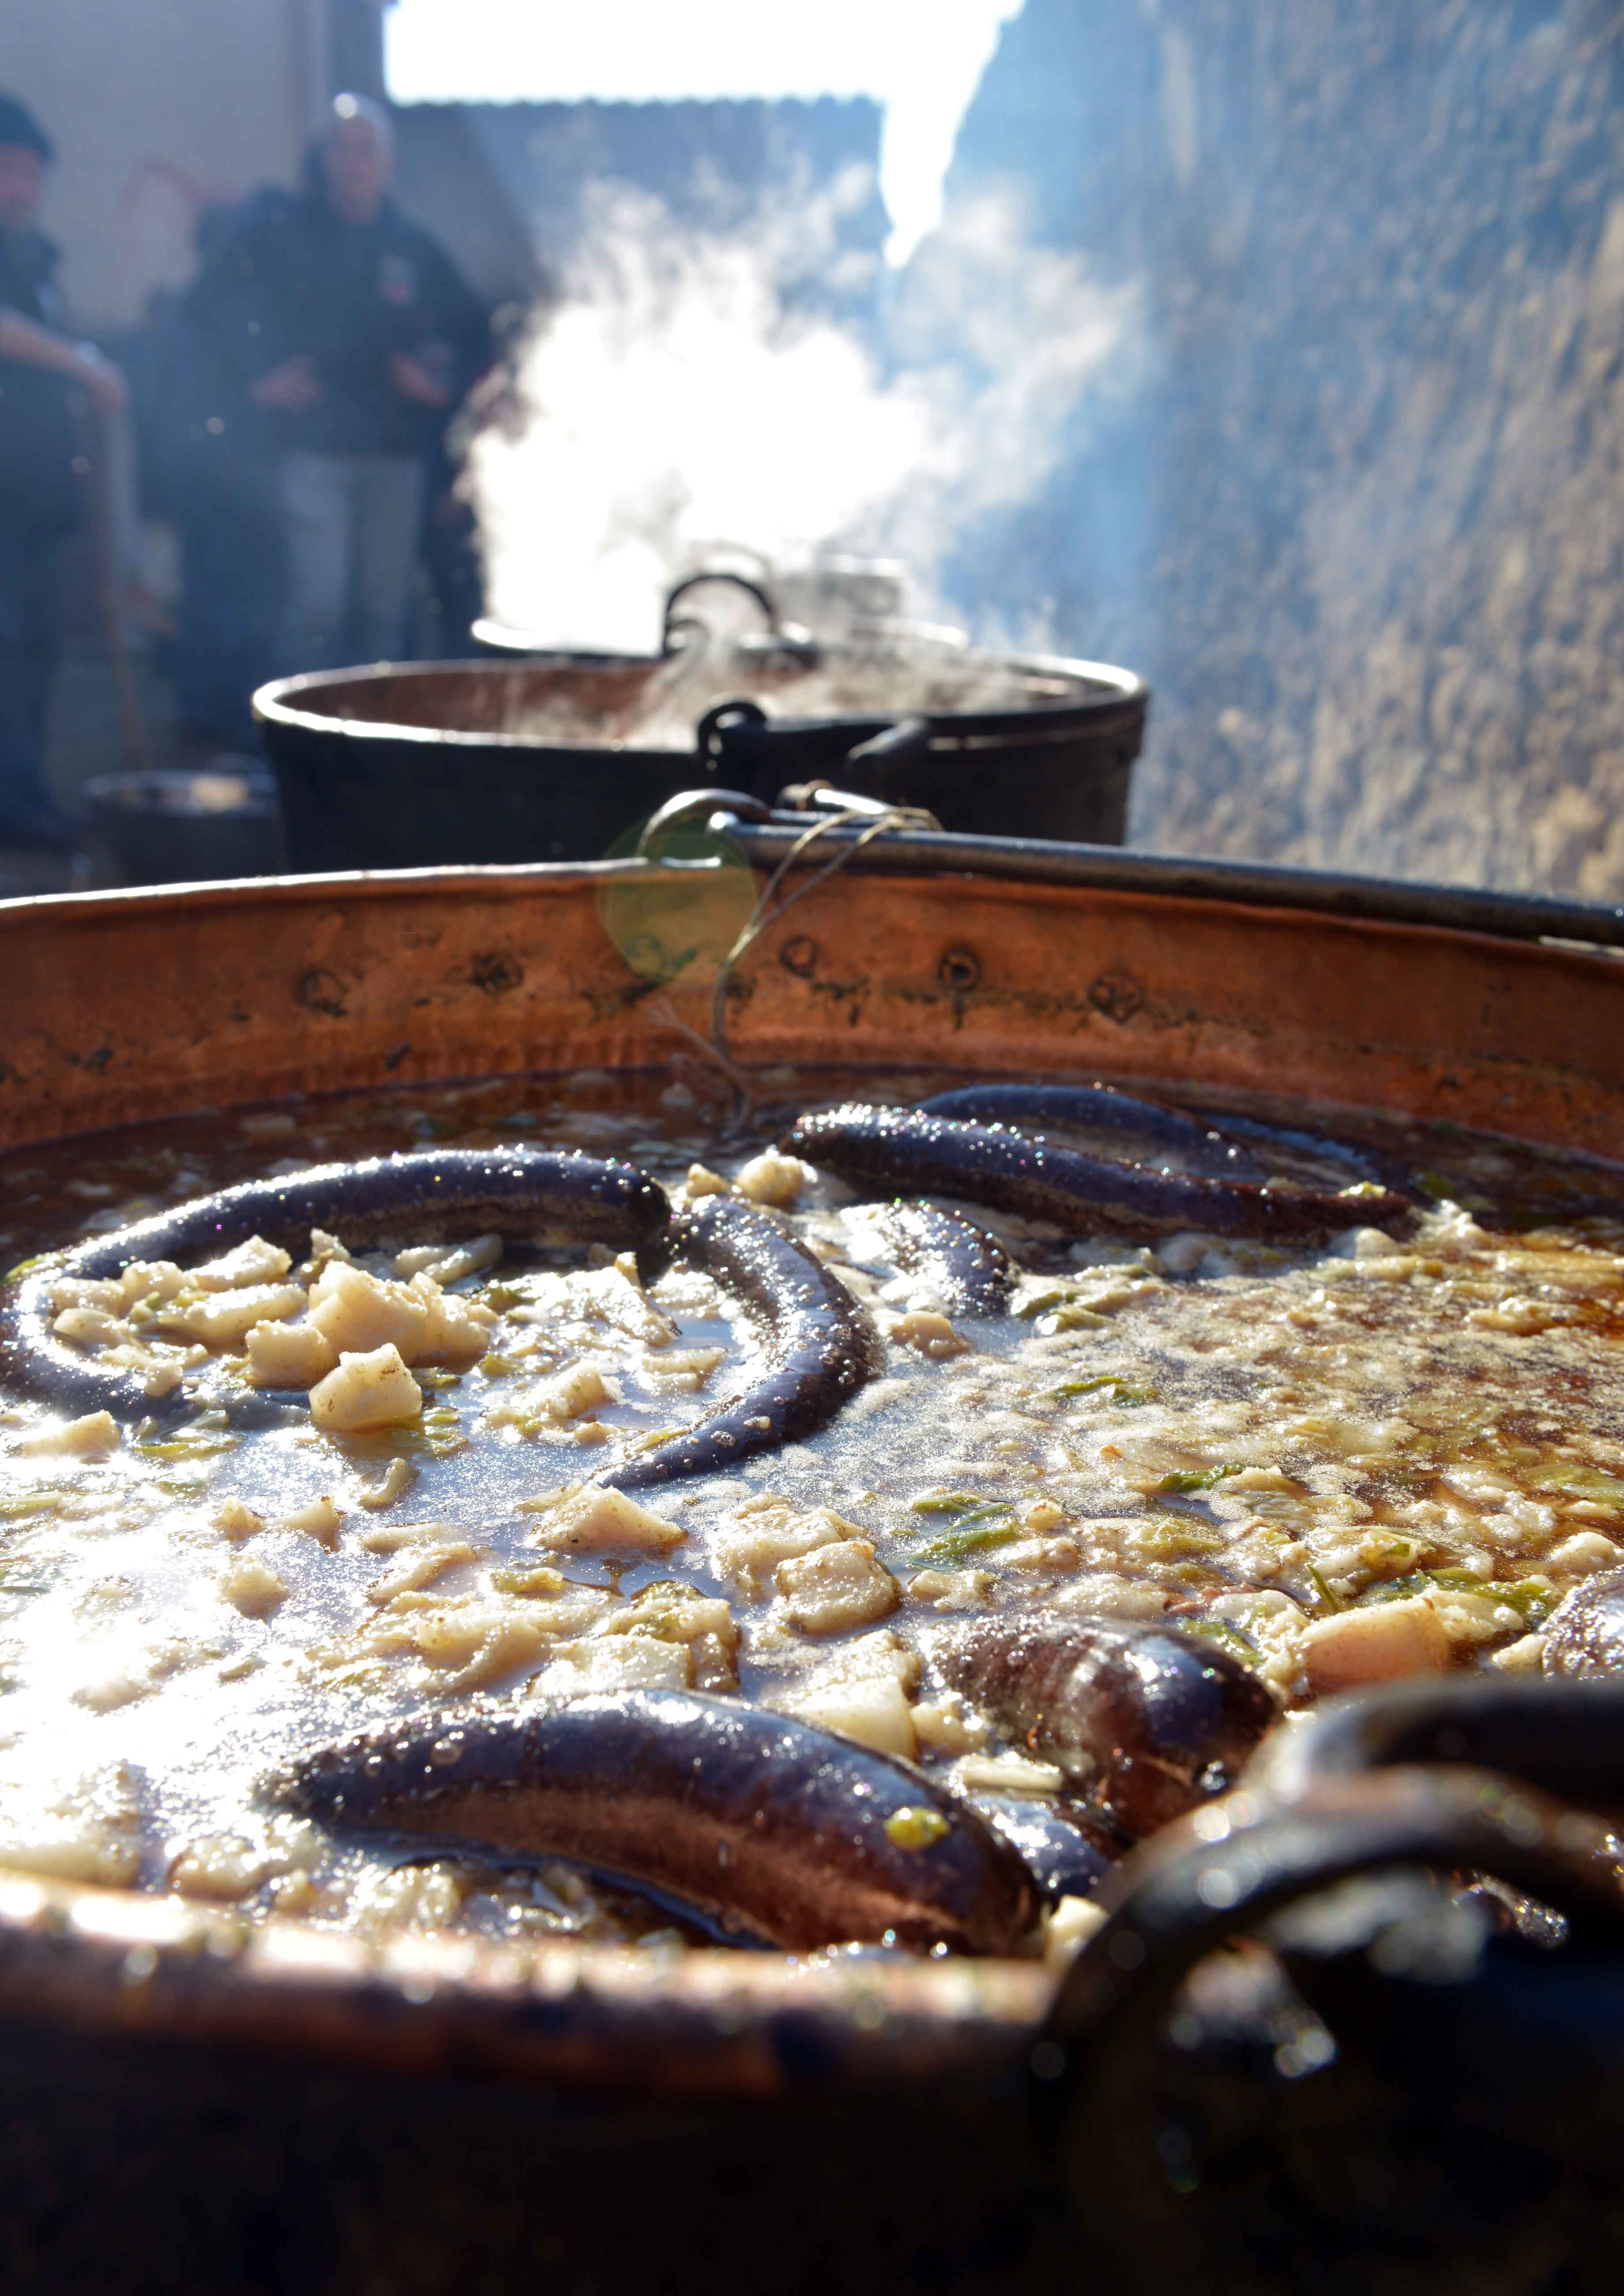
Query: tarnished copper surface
x,y
128,1005
125,1007
711,2023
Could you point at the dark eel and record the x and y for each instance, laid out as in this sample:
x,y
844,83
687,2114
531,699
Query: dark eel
x,y
1147,1721
1066,1855
528,1195
1324,1159
968,1270
1106,1122
901,1149
1103,1122
763,1823
1584,1632
818,1344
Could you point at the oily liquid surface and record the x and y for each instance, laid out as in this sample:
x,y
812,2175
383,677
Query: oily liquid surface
x,y
1243,1440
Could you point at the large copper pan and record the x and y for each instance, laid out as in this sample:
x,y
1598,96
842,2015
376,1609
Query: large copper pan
x,y
126,1006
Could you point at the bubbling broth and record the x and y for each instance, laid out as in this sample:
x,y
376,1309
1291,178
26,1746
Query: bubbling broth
x,y
790,1574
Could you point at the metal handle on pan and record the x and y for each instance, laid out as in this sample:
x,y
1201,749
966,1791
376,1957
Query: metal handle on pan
x,y
1256,884
1490,2101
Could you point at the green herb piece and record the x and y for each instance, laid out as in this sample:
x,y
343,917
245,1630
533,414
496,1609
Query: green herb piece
x,y
27,1266
1199,1480
1041,1302
1317,1580
1391,1590
979,1534
1109,1384
207,1435
913,1828
944,1502
438,1432
31,1502
1173,1542
1225,1635
185,1448
1579,1483
1530,1598
426,1377
496,1366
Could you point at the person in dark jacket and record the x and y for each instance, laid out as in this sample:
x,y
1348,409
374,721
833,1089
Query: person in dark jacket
x,y
356,334
209,464
41,368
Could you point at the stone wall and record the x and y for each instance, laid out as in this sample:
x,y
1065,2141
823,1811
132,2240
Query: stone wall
x,y
1356,501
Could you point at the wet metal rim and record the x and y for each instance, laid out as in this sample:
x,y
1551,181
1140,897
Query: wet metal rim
x,y
1256,884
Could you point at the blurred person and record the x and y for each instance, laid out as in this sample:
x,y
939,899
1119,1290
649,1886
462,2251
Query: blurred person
x,y
208,466
41,369
356,336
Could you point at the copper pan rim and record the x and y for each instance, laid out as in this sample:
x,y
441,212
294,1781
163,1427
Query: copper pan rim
x,y
130,1005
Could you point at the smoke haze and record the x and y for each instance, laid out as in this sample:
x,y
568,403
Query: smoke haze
x,y
695,390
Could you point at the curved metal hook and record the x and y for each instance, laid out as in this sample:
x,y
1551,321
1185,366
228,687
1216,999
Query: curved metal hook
x,y
755,591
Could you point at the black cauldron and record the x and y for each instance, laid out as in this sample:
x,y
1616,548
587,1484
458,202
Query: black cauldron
x,y
529,755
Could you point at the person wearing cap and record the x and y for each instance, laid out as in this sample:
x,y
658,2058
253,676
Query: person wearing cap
x,y
354,331
41,369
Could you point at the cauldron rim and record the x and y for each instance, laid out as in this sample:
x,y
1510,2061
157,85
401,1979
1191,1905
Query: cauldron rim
x,y
277,703
281,701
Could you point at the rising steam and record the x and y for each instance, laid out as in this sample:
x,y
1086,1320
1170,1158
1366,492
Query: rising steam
x,y
688,391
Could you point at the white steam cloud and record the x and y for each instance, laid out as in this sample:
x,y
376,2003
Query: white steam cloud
x,y
687,394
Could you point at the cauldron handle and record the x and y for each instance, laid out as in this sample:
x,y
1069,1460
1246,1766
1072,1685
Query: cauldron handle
x,y
709,735
672,622
900,745
1095,2066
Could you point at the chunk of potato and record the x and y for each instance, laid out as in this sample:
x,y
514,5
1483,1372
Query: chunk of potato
x,y
253,1587
452,1331
289,1355
630,1662
581,1388
767,1533
932,1334
225,1318
836,1587
359,1313
771,1179
370,1389
422,1566
319,1521
221,1866
97,1430
871,1708
253,1262
1380,1644
238,1520
601,1522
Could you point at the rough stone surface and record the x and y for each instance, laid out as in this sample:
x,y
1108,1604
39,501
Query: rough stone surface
x,y
1352,499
